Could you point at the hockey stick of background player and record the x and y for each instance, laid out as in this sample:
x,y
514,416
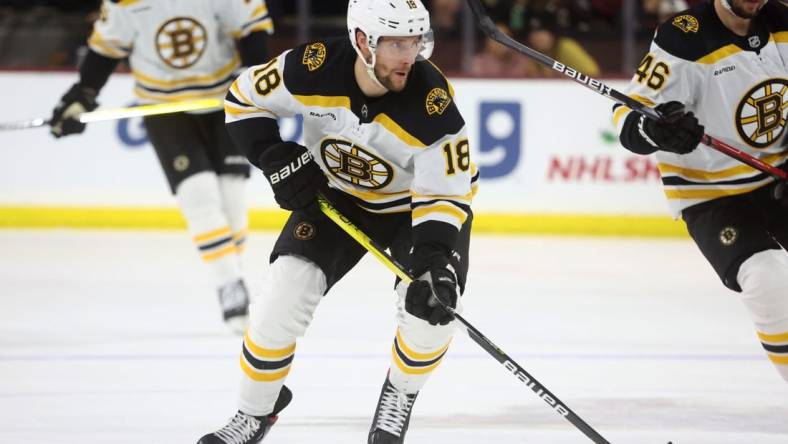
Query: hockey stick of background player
x,y
492,31
124,113
499,355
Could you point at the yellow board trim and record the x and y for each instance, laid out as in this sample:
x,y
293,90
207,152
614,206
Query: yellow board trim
x,y
117,218
776,338
268,352
722,53
263,377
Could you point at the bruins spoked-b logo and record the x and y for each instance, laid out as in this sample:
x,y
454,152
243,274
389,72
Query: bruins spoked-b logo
x,y
729,236
437,101
181,42
686,23
761,114
354,164
304,231
314,56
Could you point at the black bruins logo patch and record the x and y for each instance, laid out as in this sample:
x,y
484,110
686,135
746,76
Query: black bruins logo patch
x,y
314,56
761,114
181,42
729,236
437,101
687,23
356,165
304,231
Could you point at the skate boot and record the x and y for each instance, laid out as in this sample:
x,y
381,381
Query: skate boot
x,y
234,300
246,429
391,416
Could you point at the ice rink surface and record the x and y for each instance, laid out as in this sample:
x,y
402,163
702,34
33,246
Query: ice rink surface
x,y
115,337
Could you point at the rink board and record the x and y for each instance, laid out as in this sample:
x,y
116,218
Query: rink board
x,y
547,151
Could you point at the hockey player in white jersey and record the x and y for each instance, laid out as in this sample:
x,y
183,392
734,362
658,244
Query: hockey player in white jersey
x,y
180,50
724,65
385,141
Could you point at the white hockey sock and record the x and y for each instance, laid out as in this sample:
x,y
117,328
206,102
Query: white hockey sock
x,y
292,289
418,348
233,189
764,282
201,205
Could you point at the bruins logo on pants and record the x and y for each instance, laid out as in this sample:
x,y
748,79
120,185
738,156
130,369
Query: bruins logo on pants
x,y
354,164
180,42
761,115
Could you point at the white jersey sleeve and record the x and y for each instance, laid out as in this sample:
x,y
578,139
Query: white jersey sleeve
x,y
112,35
243,17
259,92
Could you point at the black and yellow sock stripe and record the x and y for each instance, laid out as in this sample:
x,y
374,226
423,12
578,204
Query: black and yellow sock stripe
x,y
265,364
415,363
239,238
215,244
776,346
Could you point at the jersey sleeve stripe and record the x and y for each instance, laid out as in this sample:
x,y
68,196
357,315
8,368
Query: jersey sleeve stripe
x,y
773,338
231,109
108,48
445,212
236,92
709,193
780,37
324,101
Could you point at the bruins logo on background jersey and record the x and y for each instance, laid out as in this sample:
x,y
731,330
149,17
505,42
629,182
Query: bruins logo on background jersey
x,y
181,42
761,114
354,164
314,56
437,101
686,23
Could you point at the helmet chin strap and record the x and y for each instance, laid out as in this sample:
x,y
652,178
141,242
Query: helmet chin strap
x,y
371,69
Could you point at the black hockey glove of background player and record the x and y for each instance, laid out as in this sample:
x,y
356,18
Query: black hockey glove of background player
x,y
294,176
65,116
435,277
678,131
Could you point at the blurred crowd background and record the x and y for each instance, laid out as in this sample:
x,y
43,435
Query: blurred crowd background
x,y
598,37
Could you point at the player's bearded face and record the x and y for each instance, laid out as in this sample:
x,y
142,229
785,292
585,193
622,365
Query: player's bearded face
x,y
747,8
395,59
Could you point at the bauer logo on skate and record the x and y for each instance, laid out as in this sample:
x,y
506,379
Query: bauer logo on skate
x,y
354,164
538,389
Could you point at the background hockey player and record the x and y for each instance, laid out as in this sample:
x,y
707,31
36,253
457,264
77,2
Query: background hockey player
x,y
723,64
179,50
382,130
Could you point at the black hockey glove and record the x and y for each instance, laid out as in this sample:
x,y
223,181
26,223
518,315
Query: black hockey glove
x,y
435,280
294,176
65,116
677,132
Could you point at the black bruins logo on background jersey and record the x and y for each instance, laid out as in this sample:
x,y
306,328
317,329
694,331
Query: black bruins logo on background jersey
x,y
686,23
437,101
354,164
314,56
761,114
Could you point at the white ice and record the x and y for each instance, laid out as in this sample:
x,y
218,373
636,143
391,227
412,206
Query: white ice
x,y
115,337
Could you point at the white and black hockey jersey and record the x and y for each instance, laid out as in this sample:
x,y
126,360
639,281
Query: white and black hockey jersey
x,y
178,49
402,152
736,86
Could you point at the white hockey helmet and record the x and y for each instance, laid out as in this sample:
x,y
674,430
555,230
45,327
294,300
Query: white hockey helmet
x,y
384,18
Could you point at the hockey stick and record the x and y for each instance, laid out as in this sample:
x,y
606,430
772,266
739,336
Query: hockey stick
x,y
499,355
490,30
124,113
